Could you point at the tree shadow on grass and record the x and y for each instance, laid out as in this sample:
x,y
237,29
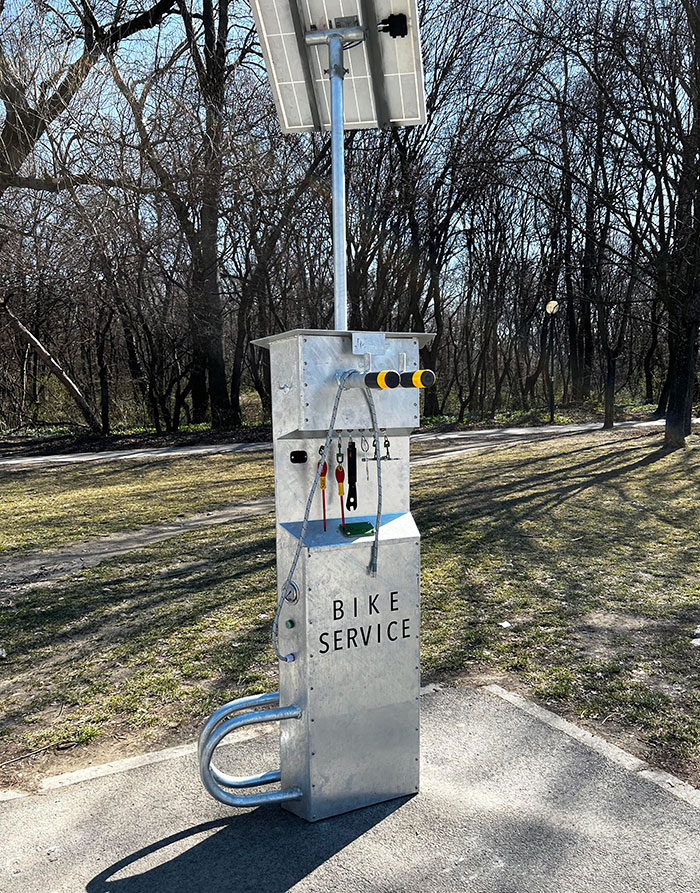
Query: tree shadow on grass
x,y
547,543
515,500
118,621
76,608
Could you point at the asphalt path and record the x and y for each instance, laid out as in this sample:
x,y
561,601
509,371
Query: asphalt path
x,y
452,441
509,803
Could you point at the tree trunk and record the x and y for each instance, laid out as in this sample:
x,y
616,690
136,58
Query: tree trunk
x,y
208,294
650,355
431,405
609,421
681,382
198,382
666,388
103,375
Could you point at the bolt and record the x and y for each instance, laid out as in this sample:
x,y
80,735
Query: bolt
x,y
289,624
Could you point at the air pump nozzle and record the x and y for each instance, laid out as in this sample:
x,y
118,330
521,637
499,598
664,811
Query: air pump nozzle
x,y
421,378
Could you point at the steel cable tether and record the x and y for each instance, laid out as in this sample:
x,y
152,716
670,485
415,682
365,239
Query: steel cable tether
x,y
288,588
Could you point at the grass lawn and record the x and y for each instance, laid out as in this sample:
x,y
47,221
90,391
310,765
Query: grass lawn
x,y
55,505
569,570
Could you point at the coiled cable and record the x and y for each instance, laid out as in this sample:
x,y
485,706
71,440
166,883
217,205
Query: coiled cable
x,y
372,570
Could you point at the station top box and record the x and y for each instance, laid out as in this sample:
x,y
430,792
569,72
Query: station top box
x,y
304,369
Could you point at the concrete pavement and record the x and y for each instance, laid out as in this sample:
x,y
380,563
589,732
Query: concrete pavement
x,y
510,803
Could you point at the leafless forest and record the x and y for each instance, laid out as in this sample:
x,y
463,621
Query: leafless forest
x,y
153,219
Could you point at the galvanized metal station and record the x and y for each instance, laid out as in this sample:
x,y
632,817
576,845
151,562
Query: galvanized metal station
x,y
344,404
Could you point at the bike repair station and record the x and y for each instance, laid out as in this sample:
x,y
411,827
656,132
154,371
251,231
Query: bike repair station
x,y
347,627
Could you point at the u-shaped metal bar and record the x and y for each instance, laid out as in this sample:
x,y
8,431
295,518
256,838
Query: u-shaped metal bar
x,y
220,724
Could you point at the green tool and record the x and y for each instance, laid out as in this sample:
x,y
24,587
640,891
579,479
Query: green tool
x,y
358,528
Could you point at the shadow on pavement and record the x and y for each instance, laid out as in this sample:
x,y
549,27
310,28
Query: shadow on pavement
x,y
267,851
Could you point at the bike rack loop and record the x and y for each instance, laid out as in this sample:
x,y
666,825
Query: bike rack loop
x,y
220,724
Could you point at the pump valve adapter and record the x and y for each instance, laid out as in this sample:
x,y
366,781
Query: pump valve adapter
x,y
386,379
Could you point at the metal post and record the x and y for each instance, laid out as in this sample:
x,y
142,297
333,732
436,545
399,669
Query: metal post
x,y
336,73
551,366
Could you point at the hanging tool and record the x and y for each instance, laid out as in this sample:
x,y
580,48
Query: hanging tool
x,y
351,502
387,444
340,478
322,483
364,443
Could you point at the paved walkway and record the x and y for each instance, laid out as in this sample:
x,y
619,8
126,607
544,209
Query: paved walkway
x,y
144,453
464,440
511,801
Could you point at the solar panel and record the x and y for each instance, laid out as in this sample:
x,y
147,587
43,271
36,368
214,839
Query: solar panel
x,y
384,85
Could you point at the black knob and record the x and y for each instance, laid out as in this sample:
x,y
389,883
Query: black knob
x,y
395,25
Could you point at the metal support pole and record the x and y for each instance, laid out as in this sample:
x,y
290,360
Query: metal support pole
x,y
551,369
336,73
336,41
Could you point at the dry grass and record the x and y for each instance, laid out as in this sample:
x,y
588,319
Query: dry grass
x,y
571,569
51,506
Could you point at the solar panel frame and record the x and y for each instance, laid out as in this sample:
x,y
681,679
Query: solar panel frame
x,y
384,84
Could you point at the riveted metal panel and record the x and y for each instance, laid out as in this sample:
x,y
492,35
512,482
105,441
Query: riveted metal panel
x,y
356,640
304,371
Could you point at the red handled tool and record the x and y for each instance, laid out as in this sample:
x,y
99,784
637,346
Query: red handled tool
x,y
340,478
322,482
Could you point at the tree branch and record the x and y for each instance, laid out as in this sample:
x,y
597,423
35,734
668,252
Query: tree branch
x,y
53,365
